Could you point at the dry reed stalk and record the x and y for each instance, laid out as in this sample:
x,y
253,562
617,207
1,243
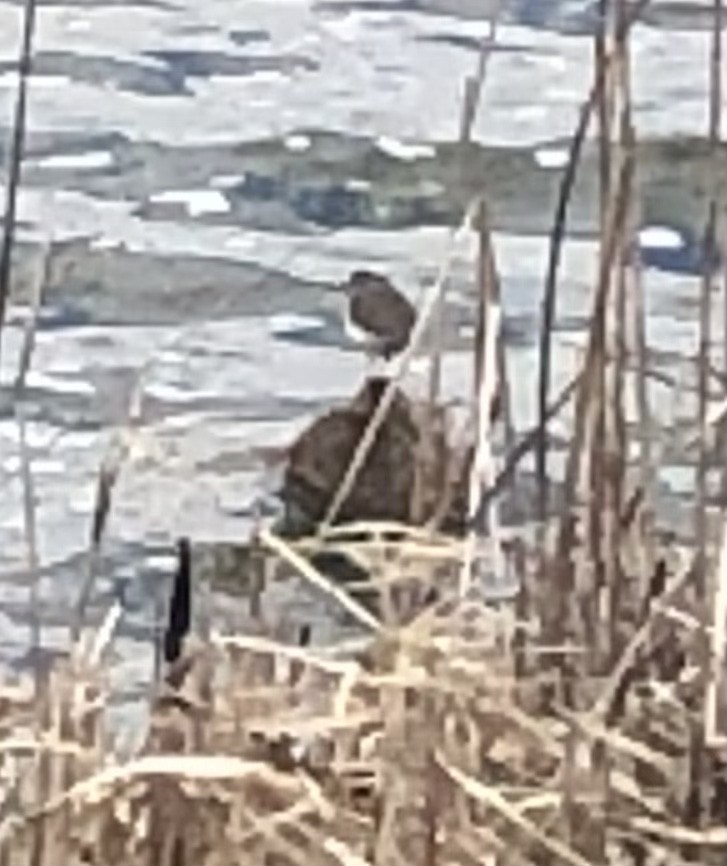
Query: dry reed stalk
x,y
715,708
700,759
473,87
472,95
591,402
529,441
605,705
470,105
315,578
378,529
596,436
490,796
113,461
705,300
618,445
712,230
557,237
485,386
30,531
646,458
607,56
473,774
29,517
107,477
15,157
561,578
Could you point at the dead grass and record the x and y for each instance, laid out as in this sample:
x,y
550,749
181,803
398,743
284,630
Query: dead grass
x,y
580,721
424,745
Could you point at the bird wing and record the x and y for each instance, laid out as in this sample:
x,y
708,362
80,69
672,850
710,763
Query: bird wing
x,y
379,308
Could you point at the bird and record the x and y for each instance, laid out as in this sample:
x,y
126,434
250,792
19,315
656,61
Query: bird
x,y
378,316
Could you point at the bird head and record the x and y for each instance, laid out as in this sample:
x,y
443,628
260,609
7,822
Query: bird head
x,y
359,279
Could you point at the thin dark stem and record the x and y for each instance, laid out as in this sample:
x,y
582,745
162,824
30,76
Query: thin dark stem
x,y
705,305
549,298
555,616
16,157
557,236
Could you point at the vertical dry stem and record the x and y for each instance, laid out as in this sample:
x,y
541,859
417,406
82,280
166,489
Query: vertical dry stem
x,y
15,159
557,237
29,520
485,384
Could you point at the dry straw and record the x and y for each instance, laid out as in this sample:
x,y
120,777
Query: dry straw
x,y
582,723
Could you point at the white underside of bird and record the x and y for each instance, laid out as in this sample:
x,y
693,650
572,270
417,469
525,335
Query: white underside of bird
x,y
380,366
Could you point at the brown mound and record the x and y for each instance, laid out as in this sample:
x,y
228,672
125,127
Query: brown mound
x,y
318,460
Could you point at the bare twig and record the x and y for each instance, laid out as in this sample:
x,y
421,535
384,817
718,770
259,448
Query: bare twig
x,y
16,157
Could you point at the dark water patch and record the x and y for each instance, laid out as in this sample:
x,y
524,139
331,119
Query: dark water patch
x,y
518,331
687,256
164,5
109,407
228,461
122,75
565,16
578,18
681,15
118,286
248,409
61,579
248,37
167,75
332,206
55,318
345,180
195,29
472,43
104,403
581,17
347,6
204,64
569,323
259,187
20,225
126,573
42,660
42,143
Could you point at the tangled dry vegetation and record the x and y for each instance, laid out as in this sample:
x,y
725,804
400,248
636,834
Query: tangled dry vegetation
x,y
580,722
457,738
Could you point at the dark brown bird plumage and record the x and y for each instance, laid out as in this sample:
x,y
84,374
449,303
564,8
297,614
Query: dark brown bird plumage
x,y
378,314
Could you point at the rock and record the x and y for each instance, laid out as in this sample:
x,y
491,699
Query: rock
x,y
385,487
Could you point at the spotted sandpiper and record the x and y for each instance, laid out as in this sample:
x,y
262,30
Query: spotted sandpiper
x,y
378,316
